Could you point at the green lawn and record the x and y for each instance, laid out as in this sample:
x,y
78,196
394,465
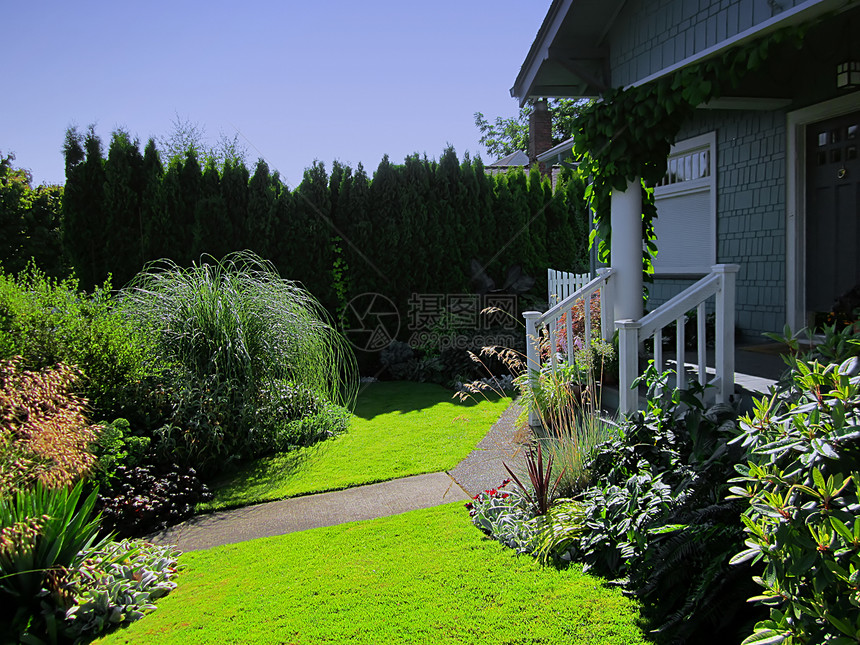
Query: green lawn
x,y
399,429
425,576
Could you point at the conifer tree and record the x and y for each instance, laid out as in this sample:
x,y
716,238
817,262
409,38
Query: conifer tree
x,y
124,181
416,200
234,190
213,230
282,244
449,190
539,197
263,191
190,179
311,242
83,207
152,213
387,239
165,242
353,204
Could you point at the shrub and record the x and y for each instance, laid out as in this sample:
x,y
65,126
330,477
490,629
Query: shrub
x,y
44,435
116,445
802,517
149,498
118,584
655,520
231,334
46,322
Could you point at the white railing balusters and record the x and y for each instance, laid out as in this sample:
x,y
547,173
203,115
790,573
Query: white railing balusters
x,y
720,284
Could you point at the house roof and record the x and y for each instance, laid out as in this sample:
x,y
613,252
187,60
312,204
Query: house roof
x,y
570,54
518,158
557,153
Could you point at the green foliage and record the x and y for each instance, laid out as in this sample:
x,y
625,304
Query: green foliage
x,y
238,341
116,445
415,228
29,222
44,534
508,516
800,489
654,518
47,321
505,136
118,584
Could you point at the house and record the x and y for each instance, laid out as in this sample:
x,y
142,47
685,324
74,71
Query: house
x,y
518,159
767,176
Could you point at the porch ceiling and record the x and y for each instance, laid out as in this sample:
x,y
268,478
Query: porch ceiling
x,y
569,56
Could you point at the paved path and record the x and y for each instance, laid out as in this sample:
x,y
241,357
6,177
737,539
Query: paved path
x,y
482,469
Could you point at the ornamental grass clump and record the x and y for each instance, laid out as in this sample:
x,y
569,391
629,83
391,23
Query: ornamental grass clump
x,y
250,357
44,435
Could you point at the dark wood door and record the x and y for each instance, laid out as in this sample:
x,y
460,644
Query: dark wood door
x,y
832,217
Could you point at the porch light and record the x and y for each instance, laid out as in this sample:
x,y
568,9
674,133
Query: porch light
x,y
848,75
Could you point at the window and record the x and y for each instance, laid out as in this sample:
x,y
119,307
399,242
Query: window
x,y
686,198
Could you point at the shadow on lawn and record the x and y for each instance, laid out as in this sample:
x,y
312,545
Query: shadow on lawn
x,y
264,474
404,397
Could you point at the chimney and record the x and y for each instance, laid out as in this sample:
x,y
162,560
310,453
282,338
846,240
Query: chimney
x,y
540,132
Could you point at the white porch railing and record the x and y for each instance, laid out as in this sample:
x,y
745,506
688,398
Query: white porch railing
x,y
720,284
561,284
538,323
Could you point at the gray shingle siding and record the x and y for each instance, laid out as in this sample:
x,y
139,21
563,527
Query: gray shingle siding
x,y
649,36
751,170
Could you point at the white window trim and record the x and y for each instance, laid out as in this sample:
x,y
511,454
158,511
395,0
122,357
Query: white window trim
x,y
705,184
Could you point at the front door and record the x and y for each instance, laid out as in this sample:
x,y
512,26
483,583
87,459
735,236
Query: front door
x,y
832,215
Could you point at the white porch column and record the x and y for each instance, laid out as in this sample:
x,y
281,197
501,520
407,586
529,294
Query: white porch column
x,y
626,247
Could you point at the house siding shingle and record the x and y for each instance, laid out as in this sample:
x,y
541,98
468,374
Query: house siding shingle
x,y
751,170
649,36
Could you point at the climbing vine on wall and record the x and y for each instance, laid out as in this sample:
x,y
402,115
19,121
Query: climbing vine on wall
x,y
629,133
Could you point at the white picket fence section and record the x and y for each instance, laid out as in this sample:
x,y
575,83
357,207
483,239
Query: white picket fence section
x,y
561,284
546,325
719,285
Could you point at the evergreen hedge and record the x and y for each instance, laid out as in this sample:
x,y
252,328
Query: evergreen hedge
x,y
411,228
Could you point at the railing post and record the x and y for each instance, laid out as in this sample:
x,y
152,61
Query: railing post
x,y
628,365
725,331
532,357
606,306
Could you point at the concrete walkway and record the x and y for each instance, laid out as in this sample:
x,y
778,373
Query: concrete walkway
x,y
482,469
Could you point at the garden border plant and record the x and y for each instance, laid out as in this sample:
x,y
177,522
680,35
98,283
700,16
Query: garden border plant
x,y
250,358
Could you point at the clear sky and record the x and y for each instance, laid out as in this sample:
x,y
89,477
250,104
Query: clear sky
x,y
299,81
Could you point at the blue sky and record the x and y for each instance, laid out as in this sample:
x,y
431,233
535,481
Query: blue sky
x,y
298,81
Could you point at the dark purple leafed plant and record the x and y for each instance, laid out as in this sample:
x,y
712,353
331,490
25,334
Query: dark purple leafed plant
x,y
541,478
